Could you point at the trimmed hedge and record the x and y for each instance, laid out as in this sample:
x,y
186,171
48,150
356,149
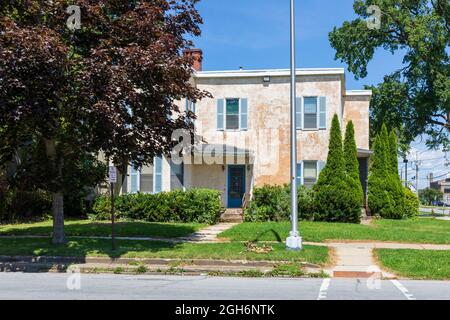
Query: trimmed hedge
x,y
195,205
272,203
412,203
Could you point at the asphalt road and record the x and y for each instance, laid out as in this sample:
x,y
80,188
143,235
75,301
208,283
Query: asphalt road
x,y
104,287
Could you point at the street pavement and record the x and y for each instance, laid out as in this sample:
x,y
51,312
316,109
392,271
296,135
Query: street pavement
x,y
104,287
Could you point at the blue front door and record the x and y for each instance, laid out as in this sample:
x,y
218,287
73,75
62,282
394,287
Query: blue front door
x,y
236,186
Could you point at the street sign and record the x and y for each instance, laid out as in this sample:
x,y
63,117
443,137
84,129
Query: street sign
x,y
112,175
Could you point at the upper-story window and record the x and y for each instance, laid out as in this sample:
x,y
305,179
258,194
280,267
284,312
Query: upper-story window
x,y
232,114
311,113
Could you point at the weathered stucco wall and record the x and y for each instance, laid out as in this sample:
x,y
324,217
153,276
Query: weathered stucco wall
x,y
356,108
269,120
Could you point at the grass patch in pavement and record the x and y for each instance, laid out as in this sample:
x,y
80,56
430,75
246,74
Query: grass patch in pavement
x,y
416,264
152,249
103,229
422,230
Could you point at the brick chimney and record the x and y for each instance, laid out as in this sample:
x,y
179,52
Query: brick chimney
x,y
197,54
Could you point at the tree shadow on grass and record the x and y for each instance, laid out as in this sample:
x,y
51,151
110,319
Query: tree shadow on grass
x,y
262,234
40,255
123,229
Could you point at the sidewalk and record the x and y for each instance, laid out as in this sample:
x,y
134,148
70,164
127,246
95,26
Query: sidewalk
x,y
356,259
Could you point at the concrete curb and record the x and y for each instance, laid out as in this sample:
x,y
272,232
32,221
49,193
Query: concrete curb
x,y
159,262
146,266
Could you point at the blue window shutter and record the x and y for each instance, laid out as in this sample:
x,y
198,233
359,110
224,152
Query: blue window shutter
x,y
220,114
299,113
158,174
186,105
299,174
244,114
322,112
320,166
134,180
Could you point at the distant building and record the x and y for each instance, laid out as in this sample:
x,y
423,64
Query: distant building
x,y
444,187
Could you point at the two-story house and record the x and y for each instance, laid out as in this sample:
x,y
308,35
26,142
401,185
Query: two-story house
x,y
245,129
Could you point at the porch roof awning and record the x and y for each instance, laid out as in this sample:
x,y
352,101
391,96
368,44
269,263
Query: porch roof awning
x,y
364,153
220,149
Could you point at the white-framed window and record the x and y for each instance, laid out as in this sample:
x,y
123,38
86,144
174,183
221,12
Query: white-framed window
x,y
190,106
232,114
311,113
308,172
148,179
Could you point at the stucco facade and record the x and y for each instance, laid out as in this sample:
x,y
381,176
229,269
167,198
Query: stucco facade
x,y
250,111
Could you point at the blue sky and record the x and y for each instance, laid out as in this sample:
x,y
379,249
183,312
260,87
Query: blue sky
x,y
254,34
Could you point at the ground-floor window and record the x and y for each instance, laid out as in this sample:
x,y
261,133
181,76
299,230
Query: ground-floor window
x,y
176,176
308,172
148,179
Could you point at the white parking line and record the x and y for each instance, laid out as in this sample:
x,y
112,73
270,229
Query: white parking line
x,y
324,289
403,289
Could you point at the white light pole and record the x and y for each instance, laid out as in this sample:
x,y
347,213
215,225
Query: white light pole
x,y
294,241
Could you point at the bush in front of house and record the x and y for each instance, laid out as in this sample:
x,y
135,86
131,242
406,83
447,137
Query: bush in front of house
x,y
273,203
195,205
412,203
336,196
20,205
387,196
269,203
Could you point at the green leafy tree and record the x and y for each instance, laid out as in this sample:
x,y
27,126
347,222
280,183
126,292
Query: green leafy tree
x,y
428,195
334,199
414,99
110,86
351,162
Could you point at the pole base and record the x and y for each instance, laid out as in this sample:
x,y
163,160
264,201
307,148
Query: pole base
x,y
294,242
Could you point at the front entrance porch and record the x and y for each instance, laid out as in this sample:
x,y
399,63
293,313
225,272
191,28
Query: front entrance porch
x,y
227,169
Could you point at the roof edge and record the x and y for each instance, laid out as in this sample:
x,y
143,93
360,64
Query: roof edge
x,y
267,73
359,93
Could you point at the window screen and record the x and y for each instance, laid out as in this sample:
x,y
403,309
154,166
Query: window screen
x,y
310,113
309,173
232,114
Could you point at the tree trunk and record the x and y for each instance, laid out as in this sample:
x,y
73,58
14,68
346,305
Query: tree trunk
x,y
58,218
57,197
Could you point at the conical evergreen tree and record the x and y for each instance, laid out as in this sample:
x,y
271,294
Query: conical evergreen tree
x,y
393,154
386,194
377,195
351,162
335,167
334,199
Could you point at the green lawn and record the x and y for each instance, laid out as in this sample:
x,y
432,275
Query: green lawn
x,y
415,231
416,264
103,229
151,249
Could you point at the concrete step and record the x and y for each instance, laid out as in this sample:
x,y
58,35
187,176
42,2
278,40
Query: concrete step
x,y
232,216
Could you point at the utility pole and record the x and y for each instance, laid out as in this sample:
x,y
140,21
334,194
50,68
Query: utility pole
x,y
294,241
417,164
405,161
